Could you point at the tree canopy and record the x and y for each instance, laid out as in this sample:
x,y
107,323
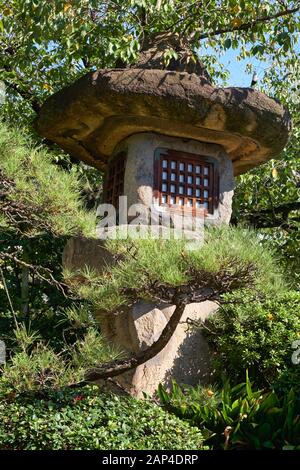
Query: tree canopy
x,y
46,44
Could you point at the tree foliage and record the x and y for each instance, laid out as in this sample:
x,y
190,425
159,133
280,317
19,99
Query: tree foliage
x,y
45,45
268,197
41,206
36,195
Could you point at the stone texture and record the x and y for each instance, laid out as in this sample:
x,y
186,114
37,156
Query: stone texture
x,y
81,252
186,357
92,116
139,174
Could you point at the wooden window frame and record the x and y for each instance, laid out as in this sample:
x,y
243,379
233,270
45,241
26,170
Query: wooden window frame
x,y
114,179
188,159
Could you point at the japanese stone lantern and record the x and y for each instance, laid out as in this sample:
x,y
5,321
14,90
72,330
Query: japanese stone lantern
x,y
164,135
168,139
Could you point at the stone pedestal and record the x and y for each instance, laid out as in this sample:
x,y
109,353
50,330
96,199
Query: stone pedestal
x,y
186,358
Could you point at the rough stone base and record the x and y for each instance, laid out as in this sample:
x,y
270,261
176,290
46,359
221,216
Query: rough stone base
x,y
186,358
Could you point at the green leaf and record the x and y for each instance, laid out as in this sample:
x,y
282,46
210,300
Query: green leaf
x,y
227,43
163,394
248,386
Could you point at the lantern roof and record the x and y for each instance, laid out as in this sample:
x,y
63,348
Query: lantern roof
x,y
89,118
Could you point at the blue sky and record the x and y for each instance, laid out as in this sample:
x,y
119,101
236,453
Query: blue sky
x,y
237,69
239,77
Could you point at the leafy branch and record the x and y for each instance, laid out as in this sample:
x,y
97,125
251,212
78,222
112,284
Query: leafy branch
x,y
26,94
272,217
249,24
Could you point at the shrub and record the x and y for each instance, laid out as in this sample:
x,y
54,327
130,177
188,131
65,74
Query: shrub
x,y
69,419
238,417
258,336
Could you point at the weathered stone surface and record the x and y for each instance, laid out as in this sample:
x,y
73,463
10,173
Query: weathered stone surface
x,y
81,252
186,357
89,118
139,174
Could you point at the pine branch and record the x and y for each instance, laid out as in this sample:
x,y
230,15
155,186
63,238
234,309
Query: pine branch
x,y
120,366
9,299
42,273
24,215
202,286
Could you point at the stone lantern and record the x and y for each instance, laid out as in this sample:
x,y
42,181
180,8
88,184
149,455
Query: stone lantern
x,y
169,140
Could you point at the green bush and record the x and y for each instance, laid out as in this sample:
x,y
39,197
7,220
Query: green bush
x,y
258,336
69,419
238,417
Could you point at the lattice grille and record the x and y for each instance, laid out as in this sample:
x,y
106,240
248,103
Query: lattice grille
x,y
114,186
186,181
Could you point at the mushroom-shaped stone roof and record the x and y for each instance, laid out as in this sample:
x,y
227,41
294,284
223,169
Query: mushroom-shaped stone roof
x,y
91,116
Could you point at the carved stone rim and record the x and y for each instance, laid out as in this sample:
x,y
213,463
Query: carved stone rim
x,y
93,115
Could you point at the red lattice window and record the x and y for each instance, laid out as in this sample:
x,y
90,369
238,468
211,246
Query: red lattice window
x,y
114,185
186,181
